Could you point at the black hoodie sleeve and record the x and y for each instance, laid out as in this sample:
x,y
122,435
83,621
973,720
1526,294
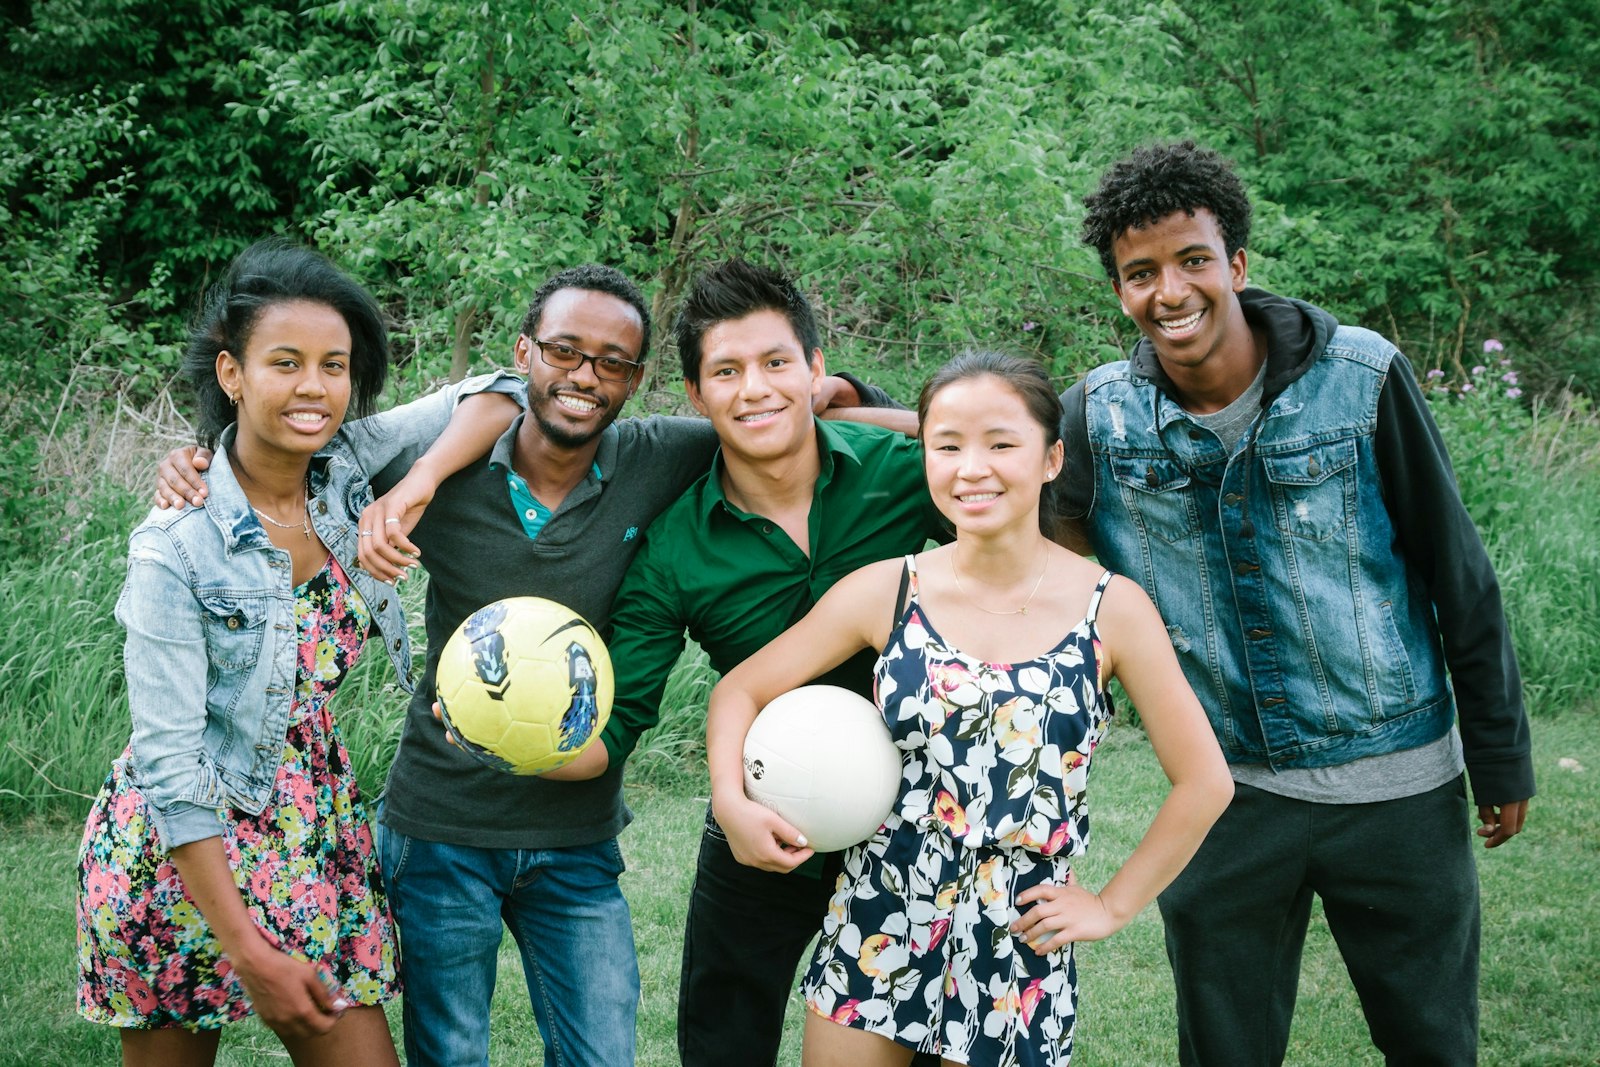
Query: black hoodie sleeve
x,y
1442,547
871,395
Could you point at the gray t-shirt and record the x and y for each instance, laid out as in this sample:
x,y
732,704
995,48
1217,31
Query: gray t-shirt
x,y
476,551
1388,776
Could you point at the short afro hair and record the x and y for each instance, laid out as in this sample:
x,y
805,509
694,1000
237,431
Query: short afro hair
x,y
595,278
1160,180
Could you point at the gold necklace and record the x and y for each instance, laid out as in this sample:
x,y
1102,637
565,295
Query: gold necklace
x,y
1015,611
304,525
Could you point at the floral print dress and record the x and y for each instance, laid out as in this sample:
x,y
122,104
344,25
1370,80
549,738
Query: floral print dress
x,y
304,865
916,946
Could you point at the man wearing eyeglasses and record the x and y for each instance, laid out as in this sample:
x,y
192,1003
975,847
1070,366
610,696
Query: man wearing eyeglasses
x,y
557,511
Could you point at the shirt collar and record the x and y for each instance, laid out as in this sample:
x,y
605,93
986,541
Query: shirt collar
x,y
505,449
832,448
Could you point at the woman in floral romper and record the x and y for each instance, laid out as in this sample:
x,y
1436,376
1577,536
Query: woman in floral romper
x,y
951,929
227,864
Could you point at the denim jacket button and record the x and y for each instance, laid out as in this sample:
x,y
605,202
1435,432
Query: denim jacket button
x,y
233,622
1259,632
1231,499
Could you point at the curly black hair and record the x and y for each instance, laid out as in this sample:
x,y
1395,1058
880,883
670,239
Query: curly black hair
x,y
597,278
731,290
277,271
1159,180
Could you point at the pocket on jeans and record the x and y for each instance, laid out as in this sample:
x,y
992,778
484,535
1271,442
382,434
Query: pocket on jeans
x,y
614,853
393,850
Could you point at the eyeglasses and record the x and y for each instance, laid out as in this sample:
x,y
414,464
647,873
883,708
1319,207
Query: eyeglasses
x,y
565,357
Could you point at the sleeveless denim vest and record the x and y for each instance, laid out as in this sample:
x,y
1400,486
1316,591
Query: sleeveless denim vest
x,y
1304,634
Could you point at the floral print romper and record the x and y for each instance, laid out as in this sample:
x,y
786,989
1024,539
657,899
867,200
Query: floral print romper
x,y
305,865
916,946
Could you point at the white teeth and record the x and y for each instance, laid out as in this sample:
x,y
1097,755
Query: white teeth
x,y
977,498
578,404
1176,325
757,417
305,417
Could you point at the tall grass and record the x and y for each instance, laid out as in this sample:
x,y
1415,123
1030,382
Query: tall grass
x,y
1530,477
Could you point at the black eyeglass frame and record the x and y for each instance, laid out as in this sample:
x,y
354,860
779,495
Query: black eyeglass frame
x,y
597,362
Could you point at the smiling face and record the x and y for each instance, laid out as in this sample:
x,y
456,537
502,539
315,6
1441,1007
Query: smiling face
x,y
985,455
571,407
292,382
756,387
1178,283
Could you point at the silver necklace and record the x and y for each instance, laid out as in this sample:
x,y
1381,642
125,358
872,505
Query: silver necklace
x,y
304,525
1014,611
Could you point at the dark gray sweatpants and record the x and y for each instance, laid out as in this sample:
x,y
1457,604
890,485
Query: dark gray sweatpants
x,y
1400,892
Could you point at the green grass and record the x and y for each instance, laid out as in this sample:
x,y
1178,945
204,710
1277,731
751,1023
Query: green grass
x,y
1541,945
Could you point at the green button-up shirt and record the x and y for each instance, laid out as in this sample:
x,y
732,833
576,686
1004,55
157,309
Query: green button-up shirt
x,y
734,581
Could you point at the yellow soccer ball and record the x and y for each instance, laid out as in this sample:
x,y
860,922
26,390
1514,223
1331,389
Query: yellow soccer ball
x,y
525,684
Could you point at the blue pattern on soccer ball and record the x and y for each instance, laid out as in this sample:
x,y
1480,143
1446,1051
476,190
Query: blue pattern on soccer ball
x,y
489,646
578,722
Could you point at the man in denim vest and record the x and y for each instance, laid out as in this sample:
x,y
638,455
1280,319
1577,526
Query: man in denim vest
x,y
1274,481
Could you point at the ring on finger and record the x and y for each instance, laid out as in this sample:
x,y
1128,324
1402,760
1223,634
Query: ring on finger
x,y
366,533
391,519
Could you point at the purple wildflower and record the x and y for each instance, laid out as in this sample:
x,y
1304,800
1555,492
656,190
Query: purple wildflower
x,y
1492,345
1479,369
1029,326
1436,373
1513,392
1509,377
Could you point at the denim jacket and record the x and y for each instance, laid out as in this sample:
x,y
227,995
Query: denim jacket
x,y
1295,618
208,606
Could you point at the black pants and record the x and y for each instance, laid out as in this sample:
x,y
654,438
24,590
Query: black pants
x,y
746,934
1400,892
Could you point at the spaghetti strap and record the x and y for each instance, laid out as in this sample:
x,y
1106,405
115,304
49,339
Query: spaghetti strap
x,y
908,588
1094,599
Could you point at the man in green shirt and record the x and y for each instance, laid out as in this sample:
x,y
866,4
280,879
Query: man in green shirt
x,y
790,506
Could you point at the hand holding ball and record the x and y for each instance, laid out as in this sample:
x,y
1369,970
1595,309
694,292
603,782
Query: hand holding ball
x,y
821,757
524,685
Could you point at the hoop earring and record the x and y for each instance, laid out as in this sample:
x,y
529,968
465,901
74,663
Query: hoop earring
x,y
234,400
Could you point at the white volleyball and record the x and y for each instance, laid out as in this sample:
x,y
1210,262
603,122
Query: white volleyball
x,y
821,757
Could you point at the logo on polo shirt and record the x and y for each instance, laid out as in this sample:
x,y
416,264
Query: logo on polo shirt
x,y
633,531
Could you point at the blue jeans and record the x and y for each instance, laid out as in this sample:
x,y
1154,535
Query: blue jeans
x,y
570,921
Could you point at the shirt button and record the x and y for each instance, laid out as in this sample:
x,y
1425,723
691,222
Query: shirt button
x,y
766,528
233,622
383,605
322,507
1231,499
530,514
397,644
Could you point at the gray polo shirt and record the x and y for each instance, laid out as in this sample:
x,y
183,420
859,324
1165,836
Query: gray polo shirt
x,y
476,551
